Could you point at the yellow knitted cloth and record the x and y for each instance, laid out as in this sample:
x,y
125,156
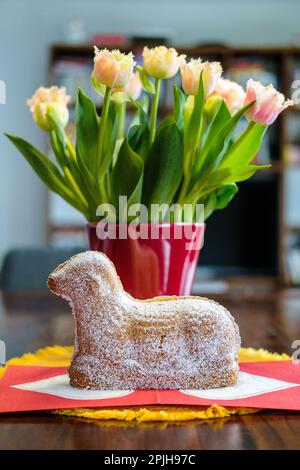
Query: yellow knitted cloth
x,y
59,356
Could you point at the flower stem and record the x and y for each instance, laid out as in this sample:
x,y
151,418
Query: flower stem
x,y
103,120
74,186
121,113
70,147
154,108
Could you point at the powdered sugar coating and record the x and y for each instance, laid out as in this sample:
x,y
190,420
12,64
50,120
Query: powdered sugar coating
x,y
161,343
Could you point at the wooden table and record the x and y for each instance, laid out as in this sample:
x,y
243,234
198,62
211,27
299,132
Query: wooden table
x,y
268,317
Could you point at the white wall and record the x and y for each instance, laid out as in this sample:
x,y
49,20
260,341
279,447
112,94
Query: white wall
x,y
28,27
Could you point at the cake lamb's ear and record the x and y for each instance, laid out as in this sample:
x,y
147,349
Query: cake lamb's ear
x,y
89,270
55,279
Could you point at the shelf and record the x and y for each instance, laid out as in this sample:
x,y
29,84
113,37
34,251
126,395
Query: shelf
x,y
275,168
66,228
293,109
287,165
280,167
221,49
292,228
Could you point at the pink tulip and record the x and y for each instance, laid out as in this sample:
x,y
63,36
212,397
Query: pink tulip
x,y
134,86
269,103
232,93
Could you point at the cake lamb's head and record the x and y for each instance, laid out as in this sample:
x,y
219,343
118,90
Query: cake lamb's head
x,y
89,271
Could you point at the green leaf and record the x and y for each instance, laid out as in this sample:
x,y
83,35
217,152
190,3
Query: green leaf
x,y
138,134
246,172
196,117
99,87
214,180
221,117
211,106
164,166
42,165
179,102
192,133
139,138
219,199
61,147
220,177
58,149
119,97
212,153
127,176
87,131
187,110
147,84
246,147
109,140
218,121
66,157
225,194
46,171
145,103
234,175
210,204
142,116
68,165
90,184
57,139
166,121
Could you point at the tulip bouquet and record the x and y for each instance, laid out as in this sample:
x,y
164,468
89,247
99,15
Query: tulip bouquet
x,y
192,156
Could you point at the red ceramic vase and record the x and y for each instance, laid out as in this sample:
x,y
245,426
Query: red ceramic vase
x,y
151,259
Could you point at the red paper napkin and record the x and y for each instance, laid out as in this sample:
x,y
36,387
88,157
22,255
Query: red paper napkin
x,y
270,385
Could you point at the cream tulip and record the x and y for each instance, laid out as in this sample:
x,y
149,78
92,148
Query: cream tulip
x,y
269,103
162,62
190,74
49,99
112,68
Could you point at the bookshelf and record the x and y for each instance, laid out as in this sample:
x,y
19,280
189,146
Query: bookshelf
x,y
258,237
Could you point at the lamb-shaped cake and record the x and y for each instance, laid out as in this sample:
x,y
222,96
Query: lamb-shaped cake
x,y
162,343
